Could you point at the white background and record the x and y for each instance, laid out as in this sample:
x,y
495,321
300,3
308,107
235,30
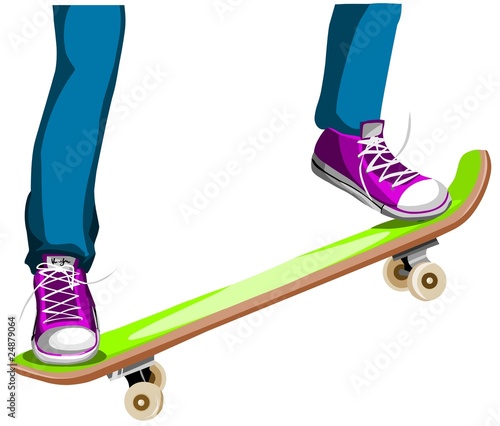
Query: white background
x,y
225,76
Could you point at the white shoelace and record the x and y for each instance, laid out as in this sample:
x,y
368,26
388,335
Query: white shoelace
x,y
56,273
49,271
376,146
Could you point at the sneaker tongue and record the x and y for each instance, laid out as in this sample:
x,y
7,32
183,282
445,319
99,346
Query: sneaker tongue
x,y
375,128
60,260
372,128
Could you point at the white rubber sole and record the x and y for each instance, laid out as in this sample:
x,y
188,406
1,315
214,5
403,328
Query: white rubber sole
x,y
328,174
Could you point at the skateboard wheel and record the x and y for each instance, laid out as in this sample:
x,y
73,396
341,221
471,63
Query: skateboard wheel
x,y
427,281
158,375
393,276
144,400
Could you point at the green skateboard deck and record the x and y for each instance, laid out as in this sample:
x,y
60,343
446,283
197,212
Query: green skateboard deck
x,y
142,339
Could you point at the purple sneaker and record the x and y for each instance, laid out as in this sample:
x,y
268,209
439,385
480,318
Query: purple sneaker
x,y
66,329
366,169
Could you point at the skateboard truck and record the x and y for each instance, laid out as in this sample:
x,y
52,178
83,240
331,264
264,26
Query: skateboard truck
x,y
414,256
138,372
412,270
146,380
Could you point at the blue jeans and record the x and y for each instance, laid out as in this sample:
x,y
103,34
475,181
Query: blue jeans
x,y
360,41
60,211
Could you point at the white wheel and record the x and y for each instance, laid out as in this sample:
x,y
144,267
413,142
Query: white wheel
x,y
158,375
427,281
143,400
393,276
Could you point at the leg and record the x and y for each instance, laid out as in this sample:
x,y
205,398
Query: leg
x,y
60,211
61,219
360,40
351,154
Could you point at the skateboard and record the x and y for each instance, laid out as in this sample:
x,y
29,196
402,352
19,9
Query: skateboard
x,y
129,351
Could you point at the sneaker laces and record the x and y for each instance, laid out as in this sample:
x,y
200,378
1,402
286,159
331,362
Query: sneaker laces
x,y
383,162
59,309
54,273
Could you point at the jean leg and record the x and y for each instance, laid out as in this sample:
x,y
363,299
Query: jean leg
x,y
60,211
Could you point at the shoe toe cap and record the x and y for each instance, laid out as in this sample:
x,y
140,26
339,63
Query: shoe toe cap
x,y
424,196
67,340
